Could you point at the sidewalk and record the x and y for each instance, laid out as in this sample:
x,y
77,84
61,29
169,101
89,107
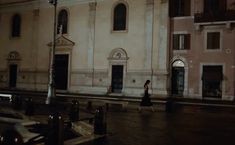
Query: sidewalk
x,y
39,95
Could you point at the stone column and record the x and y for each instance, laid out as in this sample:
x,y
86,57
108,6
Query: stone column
x,y
149,33
91,39
91,35
162,43
163,36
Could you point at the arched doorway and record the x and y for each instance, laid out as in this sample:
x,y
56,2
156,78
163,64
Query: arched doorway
x,y
117,69
177,79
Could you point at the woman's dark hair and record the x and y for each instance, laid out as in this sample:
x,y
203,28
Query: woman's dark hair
x,y
147,82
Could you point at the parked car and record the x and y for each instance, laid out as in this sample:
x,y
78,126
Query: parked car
x,y
16,130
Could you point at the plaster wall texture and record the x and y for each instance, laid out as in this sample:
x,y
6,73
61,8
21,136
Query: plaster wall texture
x,y
90,28
198,55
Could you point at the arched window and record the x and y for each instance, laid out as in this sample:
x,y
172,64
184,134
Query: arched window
x,y
62,22
178,63
15,26
119,17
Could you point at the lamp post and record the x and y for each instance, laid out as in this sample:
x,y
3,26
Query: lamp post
x,y
51,86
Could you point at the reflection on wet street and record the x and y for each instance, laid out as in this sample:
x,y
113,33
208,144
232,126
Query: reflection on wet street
x,y
187,125
160,128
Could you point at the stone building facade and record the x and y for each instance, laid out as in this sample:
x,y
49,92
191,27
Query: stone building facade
x,y
185,47
102,46
202,48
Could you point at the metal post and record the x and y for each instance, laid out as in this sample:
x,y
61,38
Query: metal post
x,y
100,124
51,86
55,134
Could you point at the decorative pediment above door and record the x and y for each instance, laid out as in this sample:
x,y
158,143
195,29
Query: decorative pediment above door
x,y
13,56
62,43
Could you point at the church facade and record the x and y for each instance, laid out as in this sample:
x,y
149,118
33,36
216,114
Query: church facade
x,y
103,46
184,47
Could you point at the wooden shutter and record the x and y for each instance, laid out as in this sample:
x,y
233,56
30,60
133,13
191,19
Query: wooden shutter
x,y
187,39
209,41
216,40
176,42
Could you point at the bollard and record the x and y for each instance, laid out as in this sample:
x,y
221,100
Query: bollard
x,y
74,111
16,102
89,106
100,123
169,105
55,130
11,137
29,110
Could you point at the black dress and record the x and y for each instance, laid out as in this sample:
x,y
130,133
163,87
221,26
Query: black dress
x,y
146,101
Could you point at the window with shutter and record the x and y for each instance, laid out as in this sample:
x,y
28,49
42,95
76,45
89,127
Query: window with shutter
x,y
187,41
213,40
181,41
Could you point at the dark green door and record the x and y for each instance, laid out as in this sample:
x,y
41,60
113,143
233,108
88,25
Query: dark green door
x,y
61,71
117,78
177,81
12,75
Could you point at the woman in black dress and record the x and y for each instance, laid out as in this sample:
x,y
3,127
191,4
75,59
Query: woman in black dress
x,y
146,101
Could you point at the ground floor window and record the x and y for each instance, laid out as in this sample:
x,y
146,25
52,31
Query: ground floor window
x,y
212,81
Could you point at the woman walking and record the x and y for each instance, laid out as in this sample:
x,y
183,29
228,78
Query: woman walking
x,y
146,101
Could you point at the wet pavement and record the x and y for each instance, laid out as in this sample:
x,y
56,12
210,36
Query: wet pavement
x,y
189,126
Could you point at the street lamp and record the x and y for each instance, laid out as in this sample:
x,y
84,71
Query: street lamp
x,y
51,86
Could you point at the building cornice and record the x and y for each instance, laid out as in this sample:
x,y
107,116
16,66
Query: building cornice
x,y
25,5
15,2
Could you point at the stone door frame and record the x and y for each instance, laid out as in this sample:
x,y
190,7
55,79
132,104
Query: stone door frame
x,y
118,56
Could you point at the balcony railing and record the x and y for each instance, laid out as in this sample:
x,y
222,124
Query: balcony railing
x,y
228,15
